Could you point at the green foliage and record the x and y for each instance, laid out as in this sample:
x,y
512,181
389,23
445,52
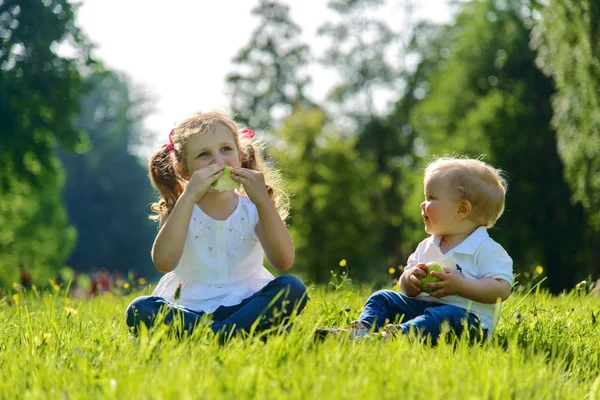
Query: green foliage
x,y
388,142
544,348
567,37
107,191
39,94
359,49
35,231
484,95
331,214
268,80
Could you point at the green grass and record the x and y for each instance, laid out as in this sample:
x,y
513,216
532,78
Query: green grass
x,y
544,348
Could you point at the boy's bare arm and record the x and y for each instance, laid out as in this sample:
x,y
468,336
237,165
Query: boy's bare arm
x,y
484,290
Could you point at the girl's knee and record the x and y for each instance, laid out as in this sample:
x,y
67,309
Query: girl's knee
x,y
296,288
142,308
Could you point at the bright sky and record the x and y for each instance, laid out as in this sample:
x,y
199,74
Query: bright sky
x,y
181,50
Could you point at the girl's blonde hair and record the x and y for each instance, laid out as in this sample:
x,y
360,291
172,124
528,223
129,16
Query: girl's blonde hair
x,y
165,165
474,180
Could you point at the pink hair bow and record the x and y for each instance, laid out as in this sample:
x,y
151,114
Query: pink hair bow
x,y
169,145
247,134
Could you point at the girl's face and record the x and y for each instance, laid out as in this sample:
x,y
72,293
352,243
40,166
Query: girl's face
x,y
439,210
212,147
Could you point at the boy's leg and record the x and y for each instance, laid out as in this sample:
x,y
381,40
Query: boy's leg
x,y
432,318
385,306
283,294
145,309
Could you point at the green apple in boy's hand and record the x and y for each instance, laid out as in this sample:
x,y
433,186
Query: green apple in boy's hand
x,y
225,182
432,266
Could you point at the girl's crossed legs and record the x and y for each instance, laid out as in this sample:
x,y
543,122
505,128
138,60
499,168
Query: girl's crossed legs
x,y
286,293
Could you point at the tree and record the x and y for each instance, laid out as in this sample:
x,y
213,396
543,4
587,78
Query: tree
x,y
567,38
269,81
487,97
332,188
107,191
39,95
360,50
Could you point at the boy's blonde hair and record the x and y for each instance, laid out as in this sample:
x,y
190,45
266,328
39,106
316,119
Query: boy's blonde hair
x,y
474,180
165,165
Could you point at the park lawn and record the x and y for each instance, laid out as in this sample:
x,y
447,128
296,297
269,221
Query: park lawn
x,y
54,347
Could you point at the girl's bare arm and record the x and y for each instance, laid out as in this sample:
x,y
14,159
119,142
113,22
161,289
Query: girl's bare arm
x,y
274,236
168,245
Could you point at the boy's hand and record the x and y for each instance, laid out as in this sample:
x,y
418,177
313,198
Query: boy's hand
x,y
411,279
450,283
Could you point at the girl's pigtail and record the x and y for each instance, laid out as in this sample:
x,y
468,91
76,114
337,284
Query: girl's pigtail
x,y
166,180
249,155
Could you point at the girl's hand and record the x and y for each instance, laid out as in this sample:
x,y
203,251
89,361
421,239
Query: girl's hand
x,y
201,180
450,283
411,279
254,184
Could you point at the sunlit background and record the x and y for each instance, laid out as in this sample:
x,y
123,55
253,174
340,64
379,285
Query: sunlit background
x,y
182,52
352,97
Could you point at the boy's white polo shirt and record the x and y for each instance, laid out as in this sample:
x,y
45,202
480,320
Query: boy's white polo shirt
x,y
476,257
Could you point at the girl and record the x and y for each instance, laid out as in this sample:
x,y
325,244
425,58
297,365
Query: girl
x,y
211,244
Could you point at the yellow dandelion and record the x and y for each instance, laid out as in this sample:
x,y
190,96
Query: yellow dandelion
x,y
343,263
142,281
67,300
392,270
70,311
539,269
15,284
15,298
126,285
46,336
54,285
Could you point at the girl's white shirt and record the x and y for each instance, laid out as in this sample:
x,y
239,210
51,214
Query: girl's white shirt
x,y
222,261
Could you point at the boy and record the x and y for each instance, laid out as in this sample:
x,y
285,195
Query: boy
x,y
463,197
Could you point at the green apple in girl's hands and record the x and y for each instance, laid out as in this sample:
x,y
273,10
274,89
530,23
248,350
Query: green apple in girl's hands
x,y
432,266
225,182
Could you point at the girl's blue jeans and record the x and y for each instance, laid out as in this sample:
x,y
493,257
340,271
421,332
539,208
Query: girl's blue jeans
x,y
421,317
272,305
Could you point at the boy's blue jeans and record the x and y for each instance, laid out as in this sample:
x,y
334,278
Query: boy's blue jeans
x,y
285,294
422,317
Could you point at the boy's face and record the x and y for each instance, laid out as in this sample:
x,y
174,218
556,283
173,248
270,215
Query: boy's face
x,y
212,147
439,210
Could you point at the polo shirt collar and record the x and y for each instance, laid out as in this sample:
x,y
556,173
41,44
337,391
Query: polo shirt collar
x,y
470,244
